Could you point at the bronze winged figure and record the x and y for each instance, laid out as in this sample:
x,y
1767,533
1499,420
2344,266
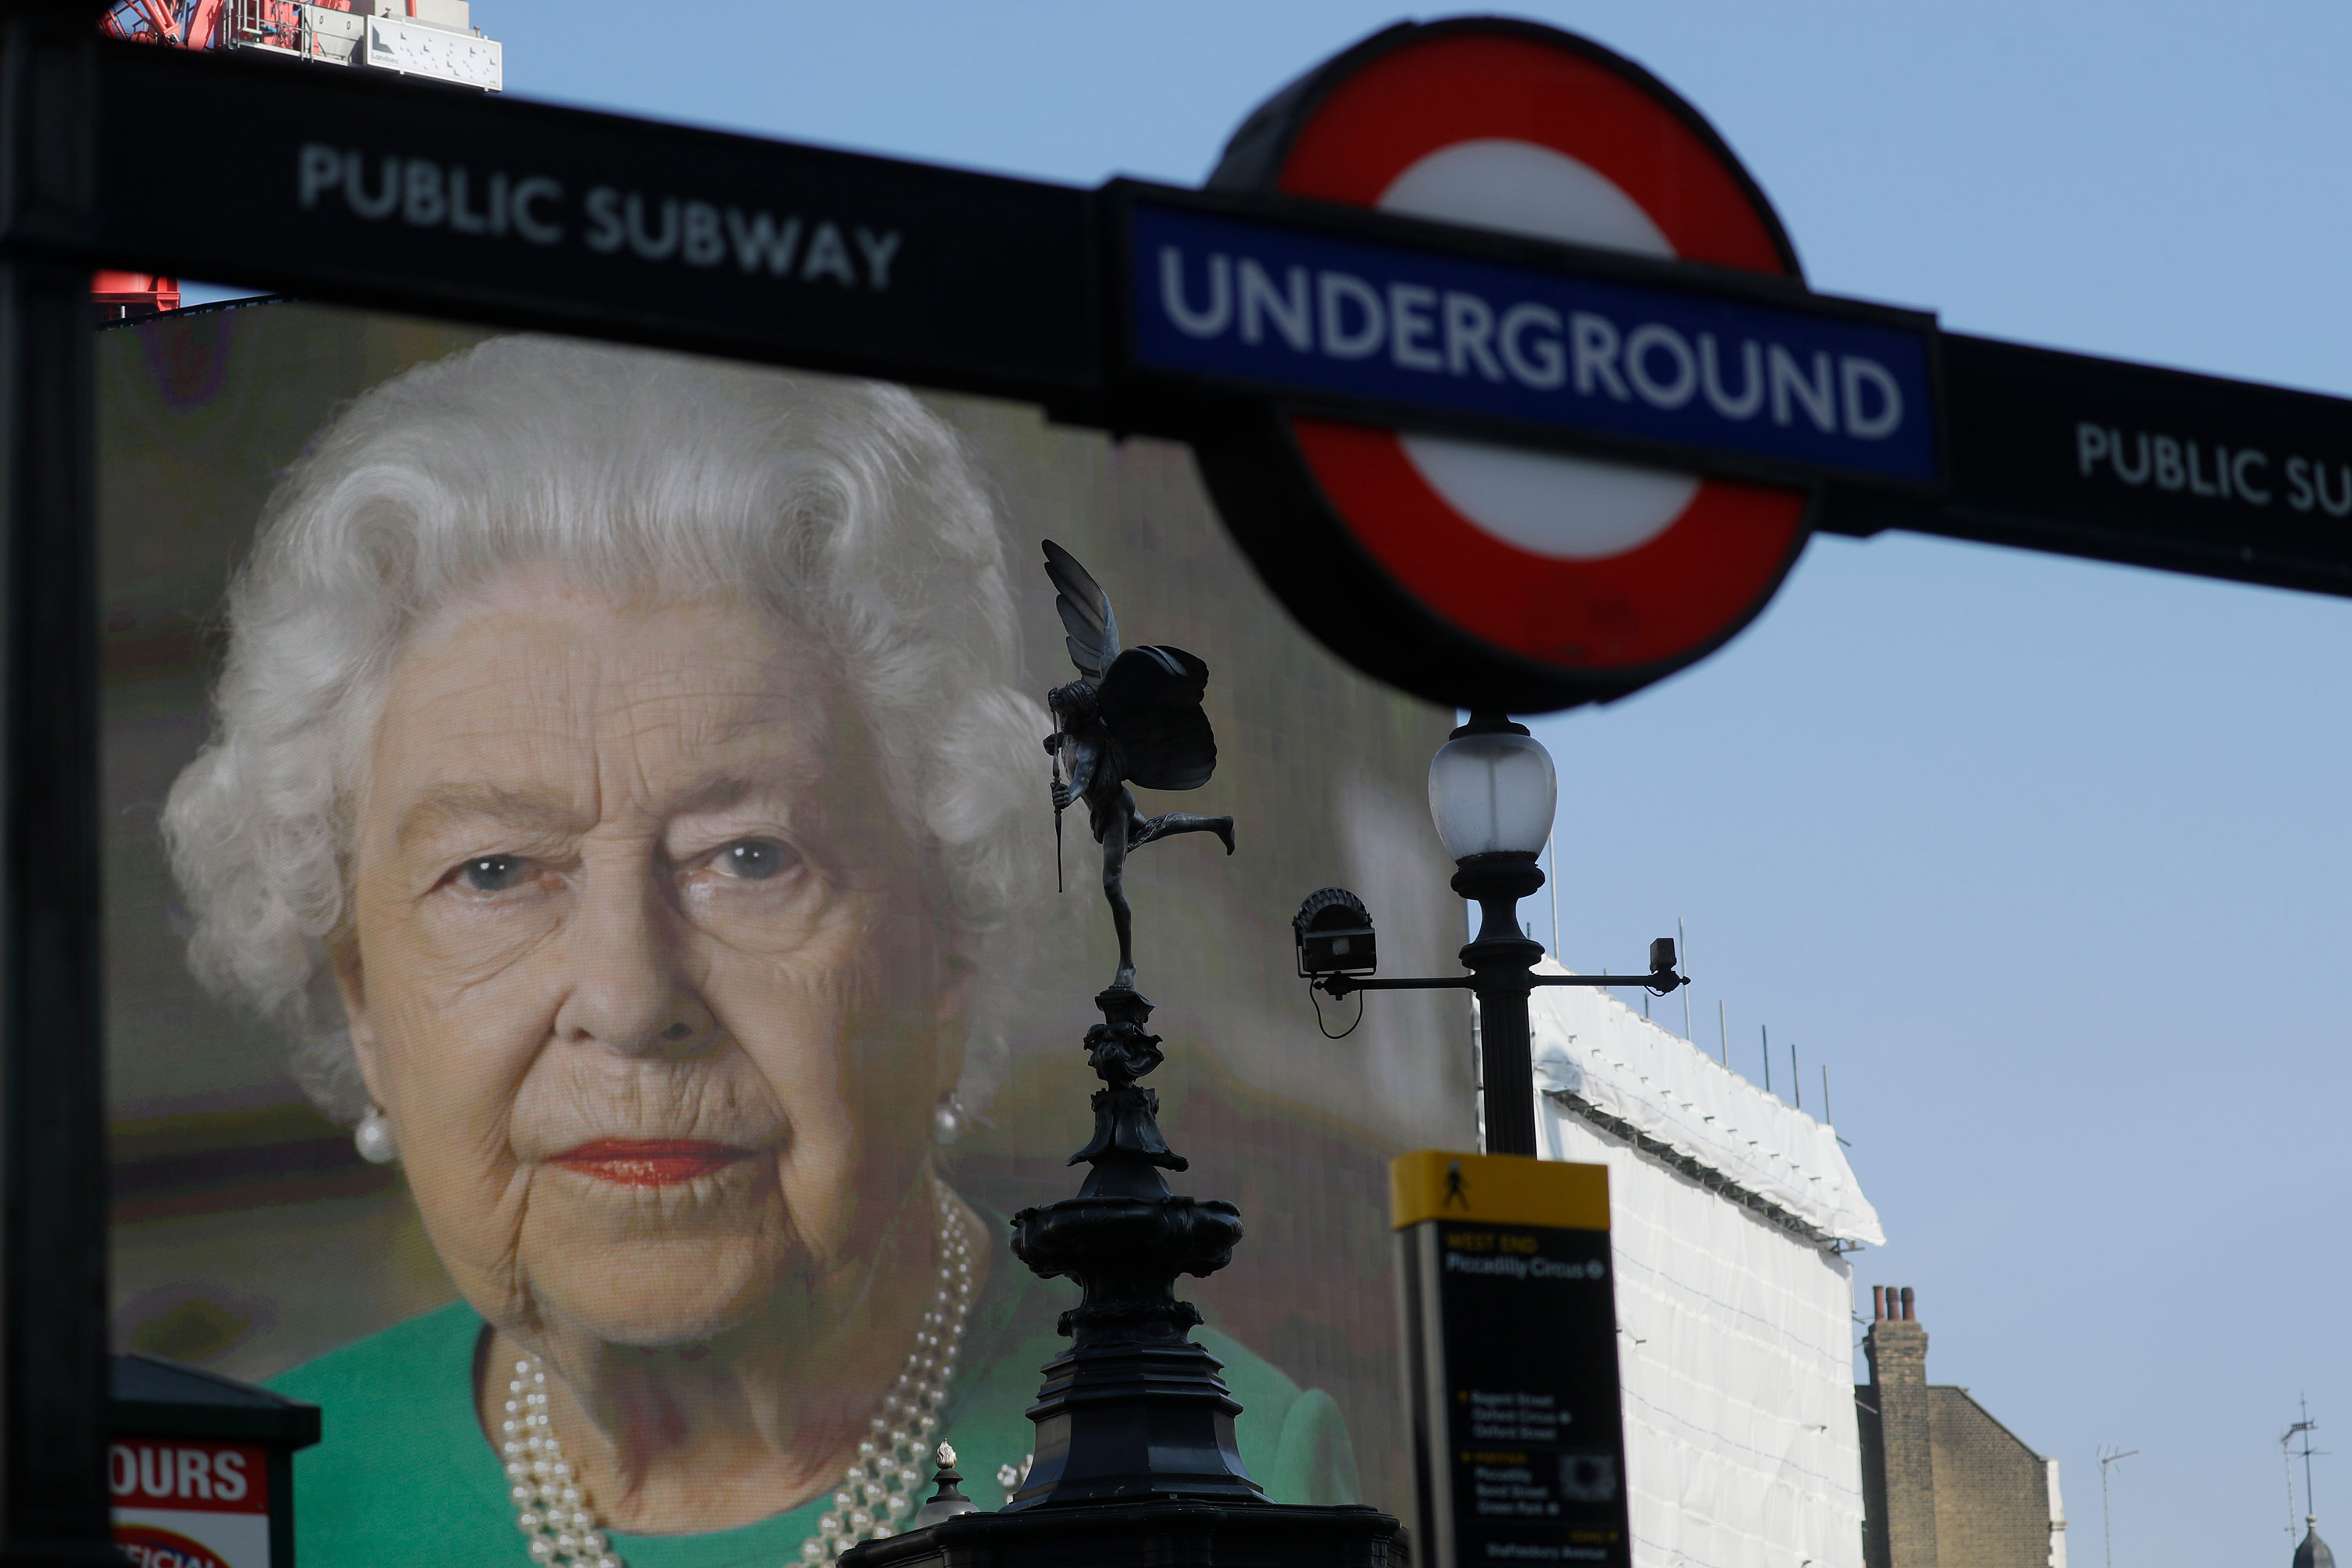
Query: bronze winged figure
x,y
1133,716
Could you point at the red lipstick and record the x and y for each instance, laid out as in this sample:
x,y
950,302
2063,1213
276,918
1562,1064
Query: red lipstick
x,y
649,1162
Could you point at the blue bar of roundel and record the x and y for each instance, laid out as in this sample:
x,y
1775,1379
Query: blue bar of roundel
x,y
1290,311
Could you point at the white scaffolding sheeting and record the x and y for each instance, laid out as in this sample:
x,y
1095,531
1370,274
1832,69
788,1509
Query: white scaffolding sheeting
x,y
1592,1047
1734,1338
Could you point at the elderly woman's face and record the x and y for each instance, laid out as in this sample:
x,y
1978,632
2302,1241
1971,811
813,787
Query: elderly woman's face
x,y
640,967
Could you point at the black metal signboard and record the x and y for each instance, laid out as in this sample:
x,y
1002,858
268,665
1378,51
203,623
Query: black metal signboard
x,y
1498,363
2087,456
1510,1328
359,187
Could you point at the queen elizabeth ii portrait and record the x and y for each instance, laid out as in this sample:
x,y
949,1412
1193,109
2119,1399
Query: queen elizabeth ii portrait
x,y
619,785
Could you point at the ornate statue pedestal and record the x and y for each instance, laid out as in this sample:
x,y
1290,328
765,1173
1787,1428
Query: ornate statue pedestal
x,y
1161,1533
1136,1461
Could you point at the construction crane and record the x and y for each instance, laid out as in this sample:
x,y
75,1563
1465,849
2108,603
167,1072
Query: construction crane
x,y
432,38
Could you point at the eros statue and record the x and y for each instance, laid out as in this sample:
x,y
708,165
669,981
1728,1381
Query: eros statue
x,y
1133,716
1136,1461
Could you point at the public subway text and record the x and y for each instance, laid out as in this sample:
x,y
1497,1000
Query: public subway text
x,y
537,209
2247,476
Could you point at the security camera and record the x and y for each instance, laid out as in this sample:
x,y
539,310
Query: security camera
x,y
1334,931
1663,980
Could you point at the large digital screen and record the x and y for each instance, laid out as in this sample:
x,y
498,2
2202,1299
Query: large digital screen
x,y
594,962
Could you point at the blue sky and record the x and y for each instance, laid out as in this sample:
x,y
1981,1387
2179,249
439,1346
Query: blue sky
x,y
2047,860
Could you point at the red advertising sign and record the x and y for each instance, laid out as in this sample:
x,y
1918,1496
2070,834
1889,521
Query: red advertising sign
x,y
189,1503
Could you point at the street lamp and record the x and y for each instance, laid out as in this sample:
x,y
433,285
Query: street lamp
x,y
1491,792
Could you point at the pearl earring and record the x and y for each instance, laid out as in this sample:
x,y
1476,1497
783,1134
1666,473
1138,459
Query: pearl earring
x,y
373,1138
947,1120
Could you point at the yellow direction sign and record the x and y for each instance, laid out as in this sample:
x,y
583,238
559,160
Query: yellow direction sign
x,y
1510,1344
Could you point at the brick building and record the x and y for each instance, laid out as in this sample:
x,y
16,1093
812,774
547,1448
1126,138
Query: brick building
x,y
1943,1485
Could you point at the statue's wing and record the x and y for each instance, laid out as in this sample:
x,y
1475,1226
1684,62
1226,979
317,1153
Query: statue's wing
x,y
1151,704
1086,613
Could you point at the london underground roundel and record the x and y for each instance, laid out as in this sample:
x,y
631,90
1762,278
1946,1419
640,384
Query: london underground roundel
x,y
1480,574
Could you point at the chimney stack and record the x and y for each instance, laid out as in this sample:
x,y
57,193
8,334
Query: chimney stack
x,y
1898,1467
1892,1304
1897,1345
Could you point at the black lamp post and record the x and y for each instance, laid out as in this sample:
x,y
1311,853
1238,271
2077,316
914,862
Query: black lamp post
x,y
1491,792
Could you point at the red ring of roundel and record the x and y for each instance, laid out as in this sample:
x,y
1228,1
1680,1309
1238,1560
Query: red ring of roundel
x,y
1665,599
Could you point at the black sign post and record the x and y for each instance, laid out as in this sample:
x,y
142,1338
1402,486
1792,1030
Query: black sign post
x,y
1510,1317
409,196
54,1499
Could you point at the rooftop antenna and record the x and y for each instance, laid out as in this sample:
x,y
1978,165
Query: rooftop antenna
x,y
2310,1505
1828,1119
1796,1078
1682,943
1767,1056
1724,1028
2287,1463
2108,1458
2306,1426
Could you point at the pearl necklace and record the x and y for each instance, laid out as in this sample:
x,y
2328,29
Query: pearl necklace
x,y
877,1491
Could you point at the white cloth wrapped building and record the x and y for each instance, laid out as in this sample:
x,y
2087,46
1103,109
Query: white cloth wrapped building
x,y
1732,1214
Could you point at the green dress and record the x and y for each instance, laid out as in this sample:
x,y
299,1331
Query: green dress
x,y
405,1477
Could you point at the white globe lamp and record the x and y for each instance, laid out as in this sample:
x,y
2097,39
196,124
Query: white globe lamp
x,y
1492,790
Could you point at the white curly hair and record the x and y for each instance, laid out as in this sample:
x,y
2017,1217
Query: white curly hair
x,y
844,506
